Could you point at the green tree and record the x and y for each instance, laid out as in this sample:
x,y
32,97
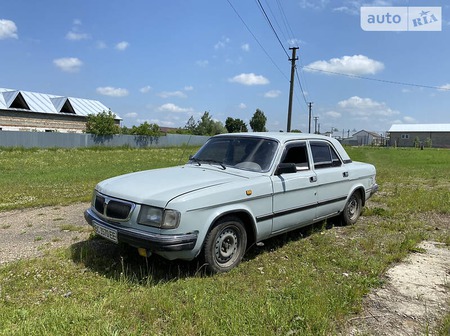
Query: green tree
x,y
103,123
235,125
146,129
258,121
205,126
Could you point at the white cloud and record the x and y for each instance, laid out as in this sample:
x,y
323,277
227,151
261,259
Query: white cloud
x,y
177,94
169,107
295,42
444,87
352,65
68,64
112,92
131,115
8,29
145,89
366,107
122,45
245,47
249,79
272,94
188,88
333,114
74,36
222,43
409,120
242,106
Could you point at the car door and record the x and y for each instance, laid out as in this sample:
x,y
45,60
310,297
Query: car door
x,y
332,179
294,194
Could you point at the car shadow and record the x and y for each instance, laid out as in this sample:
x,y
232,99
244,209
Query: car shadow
x,y
123,263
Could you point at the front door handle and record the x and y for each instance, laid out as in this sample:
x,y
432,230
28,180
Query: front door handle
x,y
313,179
345,174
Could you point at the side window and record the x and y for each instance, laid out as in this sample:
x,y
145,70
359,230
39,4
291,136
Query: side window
x,y
324,155
297,154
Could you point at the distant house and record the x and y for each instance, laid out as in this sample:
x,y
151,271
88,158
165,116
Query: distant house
x,y
415,135
41,112
364,138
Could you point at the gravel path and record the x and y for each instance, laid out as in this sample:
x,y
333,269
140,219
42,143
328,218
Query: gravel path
x,y
31,232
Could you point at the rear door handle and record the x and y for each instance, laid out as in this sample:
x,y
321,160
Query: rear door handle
x,y
345,174
313,179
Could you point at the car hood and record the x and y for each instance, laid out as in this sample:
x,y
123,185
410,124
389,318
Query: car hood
x,y
158,186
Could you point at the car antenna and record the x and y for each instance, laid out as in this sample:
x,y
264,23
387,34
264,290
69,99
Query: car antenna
x,y
184,150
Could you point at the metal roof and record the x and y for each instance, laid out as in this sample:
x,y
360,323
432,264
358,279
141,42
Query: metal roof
x,y
420,128
52,104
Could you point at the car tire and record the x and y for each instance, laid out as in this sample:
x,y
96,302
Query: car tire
x,y
352,209
225,245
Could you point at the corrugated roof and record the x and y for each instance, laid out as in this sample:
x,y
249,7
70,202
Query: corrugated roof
x,y
420,128
48,103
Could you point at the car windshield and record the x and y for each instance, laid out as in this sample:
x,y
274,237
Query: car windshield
x,y
254,154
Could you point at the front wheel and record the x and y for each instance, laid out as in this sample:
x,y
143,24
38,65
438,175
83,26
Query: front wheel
x,y
352,209
225,245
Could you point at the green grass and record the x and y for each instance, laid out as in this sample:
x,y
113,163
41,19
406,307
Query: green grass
x,y
307,282
38,177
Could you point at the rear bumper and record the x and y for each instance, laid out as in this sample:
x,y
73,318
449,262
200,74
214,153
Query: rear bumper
x,y
139,238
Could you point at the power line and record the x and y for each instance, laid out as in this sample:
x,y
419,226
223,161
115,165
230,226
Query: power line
x,y
257,41
271,26
378,80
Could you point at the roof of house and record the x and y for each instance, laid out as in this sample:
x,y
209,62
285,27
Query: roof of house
x,y
26,101
374,134
420,128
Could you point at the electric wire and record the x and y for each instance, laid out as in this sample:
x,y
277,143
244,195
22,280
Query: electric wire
x,y
271,26
257,41
379,80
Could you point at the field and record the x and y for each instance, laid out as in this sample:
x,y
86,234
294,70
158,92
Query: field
x,y
308,282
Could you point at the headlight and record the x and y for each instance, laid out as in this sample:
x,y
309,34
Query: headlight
x,y
157,217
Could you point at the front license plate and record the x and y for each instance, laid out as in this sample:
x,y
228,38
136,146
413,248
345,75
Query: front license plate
x,y
105,232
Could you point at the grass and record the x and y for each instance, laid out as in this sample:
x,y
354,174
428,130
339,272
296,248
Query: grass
x,y
37,177
307,282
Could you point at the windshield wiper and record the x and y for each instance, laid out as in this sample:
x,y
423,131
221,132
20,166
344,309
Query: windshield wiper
x,y
210,161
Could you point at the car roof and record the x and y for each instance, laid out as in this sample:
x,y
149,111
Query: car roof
x,y
284,137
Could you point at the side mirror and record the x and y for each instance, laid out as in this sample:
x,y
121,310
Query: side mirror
x,y
286,168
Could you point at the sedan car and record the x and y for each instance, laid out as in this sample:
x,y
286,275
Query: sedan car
x,y
237,190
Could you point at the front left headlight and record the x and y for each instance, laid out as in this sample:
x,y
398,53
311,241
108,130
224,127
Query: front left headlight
x,y
157,217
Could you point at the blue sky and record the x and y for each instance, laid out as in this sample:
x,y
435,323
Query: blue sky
x,y
164,61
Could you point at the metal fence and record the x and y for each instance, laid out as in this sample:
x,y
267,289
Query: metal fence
x,y
72,140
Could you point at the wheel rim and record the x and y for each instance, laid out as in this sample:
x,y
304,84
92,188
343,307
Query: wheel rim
x,y
353,208
226,245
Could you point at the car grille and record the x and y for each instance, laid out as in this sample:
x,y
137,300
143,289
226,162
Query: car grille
x,y
113,208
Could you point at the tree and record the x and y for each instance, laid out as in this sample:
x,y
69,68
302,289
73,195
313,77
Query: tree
x,y
235,125
258,121
103,123
146,129
205,126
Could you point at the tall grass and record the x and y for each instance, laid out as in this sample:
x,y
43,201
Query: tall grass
x,y
307,282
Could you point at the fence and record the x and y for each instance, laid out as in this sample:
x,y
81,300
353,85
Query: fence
x,y
72,140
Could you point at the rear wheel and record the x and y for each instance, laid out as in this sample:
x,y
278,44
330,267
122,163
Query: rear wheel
x,y
225,245
352,209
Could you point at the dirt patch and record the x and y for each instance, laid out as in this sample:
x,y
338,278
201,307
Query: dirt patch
x,y
414,297
32,232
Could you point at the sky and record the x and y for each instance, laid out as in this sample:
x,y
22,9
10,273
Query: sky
x,y
162,62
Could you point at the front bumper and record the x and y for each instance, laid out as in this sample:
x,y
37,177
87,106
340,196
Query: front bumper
x,y
150,241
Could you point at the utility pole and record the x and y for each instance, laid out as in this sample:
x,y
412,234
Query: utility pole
x,y
291,90
310,113
315,124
